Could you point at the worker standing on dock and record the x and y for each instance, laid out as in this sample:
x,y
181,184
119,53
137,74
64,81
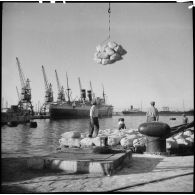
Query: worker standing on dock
x,y
185,119
152,113
94,122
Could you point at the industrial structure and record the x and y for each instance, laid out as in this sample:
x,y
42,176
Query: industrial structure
x,y
48,94
25,95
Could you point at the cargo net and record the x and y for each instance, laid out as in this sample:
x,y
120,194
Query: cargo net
x,y
109,53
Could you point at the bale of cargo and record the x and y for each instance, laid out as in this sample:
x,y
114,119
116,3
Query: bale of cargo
x,y
74,142
182,141
171,144
109,53
97,141
112,44
70,142
126,142
86,142
133,136
113,140
187,133
71,134
63,141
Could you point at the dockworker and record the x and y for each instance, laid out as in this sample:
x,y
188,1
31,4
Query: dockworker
x,y
121,124
185,119
152,113
94,122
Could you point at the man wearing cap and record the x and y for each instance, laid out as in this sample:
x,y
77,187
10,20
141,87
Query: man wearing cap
x,y
185,119
152,113
94,123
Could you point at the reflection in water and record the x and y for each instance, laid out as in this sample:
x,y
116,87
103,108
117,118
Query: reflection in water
x,y
44,139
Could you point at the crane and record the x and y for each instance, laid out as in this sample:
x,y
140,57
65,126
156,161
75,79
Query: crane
x,y
25,97
48,93
48,88
18,94
93,94
83,92
61,94
68,89
103,94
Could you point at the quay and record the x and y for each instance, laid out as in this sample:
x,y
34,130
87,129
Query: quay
x,y
143,173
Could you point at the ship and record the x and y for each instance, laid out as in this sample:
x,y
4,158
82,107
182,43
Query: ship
x,y
76,109
133,111
14,116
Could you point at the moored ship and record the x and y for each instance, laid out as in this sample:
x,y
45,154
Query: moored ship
x,y
75,109
133,111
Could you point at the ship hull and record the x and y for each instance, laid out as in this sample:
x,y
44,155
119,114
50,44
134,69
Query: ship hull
x,y
133,113
69,112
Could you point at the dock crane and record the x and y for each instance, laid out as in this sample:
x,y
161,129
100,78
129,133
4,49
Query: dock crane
x,y
82,91
48,93
68,89
61,94
25,97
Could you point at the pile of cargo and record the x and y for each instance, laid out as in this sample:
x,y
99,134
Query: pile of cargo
x,y
180,141
127,138
109,53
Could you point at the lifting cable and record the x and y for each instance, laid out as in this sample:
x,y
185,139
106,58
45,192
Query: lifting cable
x,y
109,12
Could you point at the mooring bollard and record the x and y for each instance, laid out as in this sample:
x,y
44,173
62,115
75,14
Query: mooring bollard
x,y
156,134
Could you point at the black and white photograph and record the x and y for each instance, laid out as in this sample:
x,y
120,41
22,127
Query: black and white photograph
x,y
97,97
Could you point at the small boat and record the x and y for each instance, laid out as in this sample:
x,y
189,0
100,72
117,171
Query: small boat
x,y
12,124
33,124
173,119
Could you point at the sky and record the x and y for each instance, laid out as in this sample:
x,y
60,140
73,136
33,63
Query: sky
x,y
158,38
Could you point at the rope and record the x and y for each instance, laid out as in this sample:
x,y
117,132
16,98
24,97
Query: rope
x,y
109,12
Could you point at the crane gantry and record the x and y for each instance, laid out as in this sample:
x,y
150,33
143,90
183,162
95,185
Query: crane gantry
x,y
48,93
61,93
25,96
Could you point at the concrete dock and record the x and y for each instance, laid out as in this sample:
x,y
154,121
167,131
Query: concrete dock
x,y
144,173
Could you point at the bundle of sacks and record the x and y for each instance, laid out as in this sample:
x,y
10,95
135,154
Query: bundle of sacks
x,y
125,138
109,53
183,138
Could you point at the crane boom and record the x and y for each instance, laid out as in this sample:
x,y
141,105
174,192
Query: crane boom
x,y
80,84
68,89
18,93
21,74
58,83
45,79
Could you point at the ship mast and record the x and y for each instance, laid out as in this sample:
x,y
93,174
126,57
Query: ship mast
x,y
103,94
68,89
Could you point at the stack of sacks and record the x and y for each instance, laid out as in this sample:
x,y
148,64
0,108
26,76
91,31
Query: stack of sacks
x,y
171,143
185,138
86,142
109,53
70,139
113,140
126,142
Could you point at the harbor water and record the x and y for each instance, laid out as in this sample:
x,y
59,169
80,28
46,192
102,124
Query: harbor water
x,y
25,141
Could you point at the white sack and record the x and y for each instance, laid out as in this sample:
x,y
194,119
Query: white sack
x,y
105,61
86,142
115,56
109,51
112,44
126,142
187,133
113,140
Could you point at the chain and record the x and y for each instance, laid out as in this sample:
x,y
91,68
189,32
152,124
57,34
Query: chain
x,y
109,12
